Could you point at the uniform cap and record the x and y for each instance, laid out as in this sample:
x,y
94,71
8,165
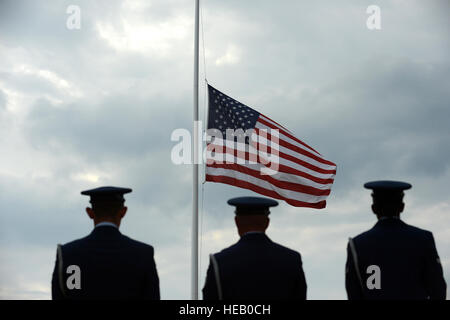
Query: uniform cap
x,y
387,186
252,205
387,191
106,194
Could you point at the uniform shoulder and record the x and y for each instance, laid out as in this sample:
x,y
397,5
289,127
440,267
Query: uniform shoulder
x,y
131,243
226,250
362,235
412,230
74,243
416,229
419,232
285,250
280,249
137,244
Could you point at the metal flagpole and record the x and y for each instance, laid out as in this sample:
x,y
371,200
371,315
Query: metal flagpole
x,y
194,266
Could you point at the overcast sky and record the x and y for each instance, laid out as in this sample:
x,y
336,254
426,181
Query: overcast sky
x,y
97,105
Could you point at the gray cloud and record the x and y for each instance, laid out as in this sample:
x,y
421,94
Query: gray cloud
x,y
120,127
3,103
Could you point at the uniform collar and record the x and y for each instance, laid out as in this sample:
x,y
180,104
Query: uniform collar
x,y
389,218
253,232
105,230
389,221
106,223
254,236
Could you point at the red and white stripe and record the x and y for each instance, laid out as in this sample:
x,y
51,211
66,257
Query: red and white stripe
x,y
303,179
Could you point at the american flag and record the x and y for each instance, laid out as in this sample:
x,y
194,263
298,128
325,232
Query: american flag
x,y
302,177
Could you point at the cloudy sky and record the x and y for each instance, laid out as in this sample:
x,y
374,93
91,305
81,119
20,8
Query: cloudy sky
x,y
97,105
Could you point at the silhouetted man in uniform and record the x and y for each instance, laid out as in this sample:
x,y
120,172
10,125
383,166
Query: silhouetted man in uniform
x,y
393,260
106,264
254,267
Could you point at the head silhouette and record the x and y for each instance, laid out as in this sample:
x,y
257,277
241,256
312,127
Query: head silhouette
x,y
251,222
387,197
109,212
252,213
107,204
387,204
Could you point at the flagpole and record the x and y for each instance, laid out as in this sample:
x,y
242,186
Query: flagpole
x,y
194,266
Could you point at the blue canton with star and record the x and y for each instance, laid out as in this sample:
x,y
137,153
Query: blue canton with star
x,y
227,113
